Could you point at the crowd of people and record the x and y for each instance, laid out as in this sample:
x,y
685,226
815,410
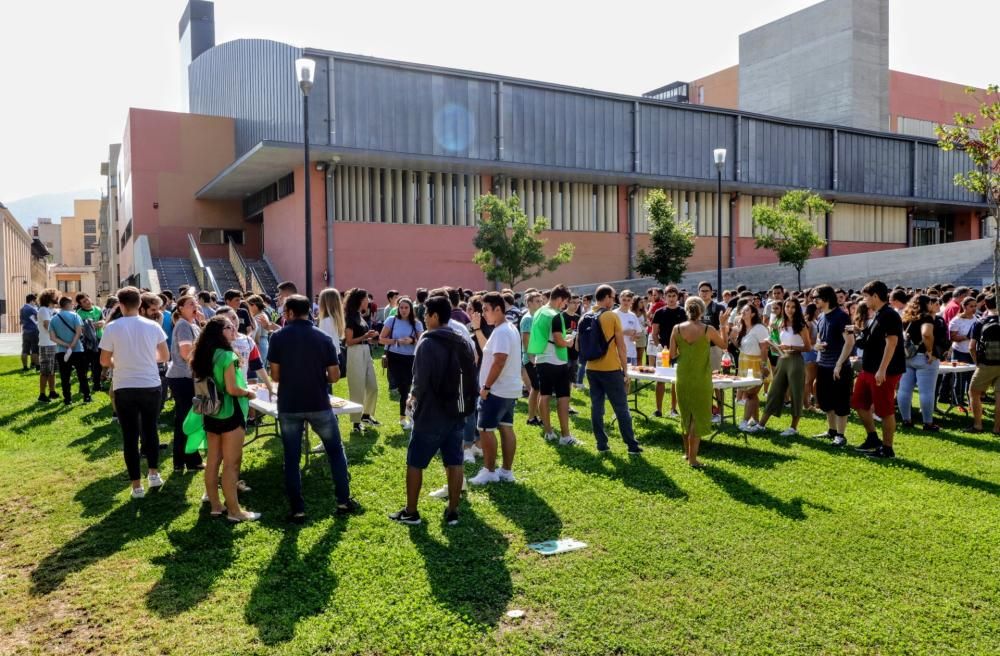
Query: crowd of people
x,y
457,363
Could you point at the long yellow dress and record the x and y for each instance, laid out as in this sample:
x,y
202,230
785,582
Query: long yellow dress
x,y
694,383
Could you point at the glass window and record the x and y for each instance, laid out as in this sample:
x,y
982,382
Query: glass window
x,y
90,225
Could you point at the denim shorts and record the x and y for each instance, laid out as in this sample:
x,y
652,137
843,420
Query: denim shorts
x,y
424,443
494,412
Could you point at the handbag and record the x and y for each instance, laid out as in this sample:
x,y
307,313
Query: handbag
x,y
909,348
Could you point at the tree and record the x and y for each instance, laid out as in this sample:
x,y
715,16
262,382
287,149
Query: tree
x,y
509,249
787,228
671,241
982,145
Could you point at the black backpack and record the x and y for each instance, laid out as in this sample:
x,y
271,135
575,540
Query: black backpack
x,y
988,344
590,341
88,338
458,389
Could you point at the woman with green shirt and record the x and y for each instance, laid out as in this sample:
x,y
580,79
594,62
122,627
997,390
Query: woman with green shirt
x,y
214,357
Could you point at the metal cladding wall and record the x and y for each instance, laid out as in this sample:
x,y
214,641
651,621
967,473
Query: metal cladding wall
x,y
678,142
405,111
776,153
395,107
252,81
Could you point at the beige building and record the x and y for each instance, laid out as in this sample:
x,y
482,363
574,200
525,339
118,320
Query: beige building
x,y
50,234
70,280
79,234
15,270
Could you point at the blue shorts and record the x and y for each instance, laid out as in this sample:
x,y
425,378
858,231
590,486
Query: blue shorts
x,y
494,412
810,356
425,443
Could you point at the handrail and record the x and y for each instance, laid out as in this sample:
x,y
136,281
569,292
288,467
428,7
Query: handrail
x,y
202,273
244,273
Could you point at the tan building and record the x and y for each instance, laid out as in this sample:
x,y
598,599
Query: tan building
x,y
50,234
15,270
71,280
79,234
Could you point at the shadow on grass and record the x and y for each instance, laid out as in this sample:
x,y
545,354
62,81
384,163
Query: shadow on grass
x,y
530,512
467,574
941,475
359,446
133,520
100,442
631,471
743,454
990,444
747,493
294,585
40,413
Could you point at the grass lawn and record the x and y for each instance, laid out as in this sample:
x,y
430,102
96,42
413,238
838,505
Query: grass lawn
x,y
780,546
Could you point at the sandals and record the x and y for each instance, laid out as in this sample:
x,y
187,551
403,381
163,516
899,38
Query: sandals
x,y
247,516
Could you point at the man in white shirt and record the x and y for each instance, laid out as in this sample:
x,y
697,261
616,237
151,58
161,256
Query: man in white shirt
x,y
46,347
500,383
134,346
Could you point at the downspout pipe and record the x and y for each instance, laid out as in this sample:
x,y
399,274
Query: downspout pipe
x,y
328,199
631,218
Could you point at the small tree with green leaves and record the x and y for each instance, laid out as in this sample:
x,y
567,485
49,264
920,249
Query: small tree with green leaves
x,y
787,228
982,145
509,247
671,241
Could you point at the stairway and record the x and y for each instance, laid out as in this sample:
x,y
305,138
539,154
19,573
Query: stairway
x,y
174,272
978,276
224,274
266,276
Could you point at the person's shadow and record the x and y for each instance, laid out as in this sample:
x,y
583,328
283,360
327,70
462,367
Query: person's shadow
x,y
747,493
133,520
467,573
294,585
530,512
632,471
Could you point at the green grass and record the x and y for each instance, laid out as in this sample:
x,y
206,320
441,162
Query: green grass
x,y
780,546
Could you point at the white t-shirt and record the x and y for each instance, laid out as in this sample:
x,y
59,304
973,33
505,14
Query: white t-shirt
x,y
629,322
503,339
459,328
45,315
242,347
327,325
750,344
962,327
133,341
788,337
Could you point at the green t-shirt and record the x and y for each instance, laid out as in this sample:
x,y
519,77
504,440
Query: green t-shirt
x,y
221,360
94,315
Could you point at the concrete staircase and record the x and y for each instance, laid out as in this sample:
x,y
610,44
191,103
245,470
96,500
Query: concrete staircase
x,y
978,276
174,272
266,276
224,274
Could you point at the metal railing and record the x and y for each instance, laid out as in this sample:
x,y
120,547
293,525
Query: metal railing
x,y
202,273
248,278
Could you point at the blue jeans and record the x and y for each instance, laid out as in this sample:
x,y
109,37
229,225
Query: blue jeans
x,y
610,385
960,382
924,376
580,372
325,424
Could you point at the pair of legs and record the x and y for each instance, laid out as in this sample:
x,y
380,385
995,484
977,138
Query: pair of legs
x,y
46,370
401,372
183,393
833,395
29,349
138,411
77,362
984,377
324,424
661,388
790,378
610,385
554,381
93,364
529,375
810,393
225,449
692,442
870,399
425,441
496,414
922,375
362,384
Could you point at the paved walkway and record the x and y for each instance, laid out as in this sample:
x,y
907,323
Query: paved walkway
x,y
10,343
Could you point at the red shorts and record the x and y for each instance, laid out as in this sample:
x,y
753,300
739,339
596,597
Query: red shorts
x,y
867,394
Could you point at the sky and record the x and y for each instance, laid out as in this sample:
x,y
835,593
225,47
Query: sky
x,y
72,69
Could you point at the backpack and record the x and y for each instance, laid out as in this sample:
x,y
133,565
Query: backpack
x,y
988,344
458,391
942,340
590,340
206,399
88,338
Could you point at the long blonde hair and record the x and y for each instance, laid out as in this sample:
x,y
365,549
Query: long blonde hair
x,y
332,305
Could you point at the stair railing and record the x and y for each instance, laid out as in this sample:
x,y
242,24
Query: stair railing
x,y
202,273
244,273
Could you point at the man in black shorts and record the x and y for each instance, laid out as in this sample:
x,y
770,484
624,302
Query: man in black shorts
x,y
834,377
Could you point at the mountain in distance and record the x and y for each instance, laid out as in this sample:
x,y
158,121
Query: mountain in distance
x,y
53,206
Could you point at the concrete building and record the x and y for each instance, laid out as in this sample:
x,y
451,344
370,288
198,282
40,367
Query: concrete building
x,y
15,270
79,234
401,151
50,234
108,246
71,280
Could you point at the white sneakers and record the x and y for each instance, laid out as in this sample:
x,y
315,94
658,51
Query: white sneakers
x,y
468,456
789,432
476,451
506,475
406,423
716,419
484,476
442,492
568,440
551,436
750,426
138,492
154,480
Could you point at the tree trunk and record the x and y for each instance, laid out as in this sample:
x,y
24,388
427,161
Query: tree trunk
x,y
798,274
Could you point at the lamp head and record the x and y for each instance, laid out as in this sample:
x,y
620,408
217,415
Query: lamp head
x,y
305,70
720,157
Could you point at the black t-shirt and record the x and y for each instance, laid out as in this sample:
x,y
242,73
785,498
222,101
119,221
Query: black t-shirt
x,y
571,321
666,318
887,323
245,321
303,352
913,329
712,312
357,324
830,331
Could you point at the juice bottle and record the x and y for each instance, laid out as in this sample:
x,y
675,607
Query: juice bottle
x,y
665,358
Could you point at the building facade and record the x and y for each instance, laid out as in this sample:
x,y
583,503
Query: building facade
x,y
50,234
400,152
15,270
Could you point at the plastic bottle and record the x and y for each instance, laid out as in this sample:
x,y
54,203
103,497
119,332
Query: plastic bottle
x,y
665,358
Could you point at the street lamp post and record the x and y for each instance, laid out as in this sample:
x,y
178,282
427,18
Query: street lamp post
x,y
720,163
305,70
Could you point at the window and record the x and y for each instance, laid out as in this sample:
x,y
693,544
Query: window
x,y
68,286
89,242
88,258
90,226
219,236
380,195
